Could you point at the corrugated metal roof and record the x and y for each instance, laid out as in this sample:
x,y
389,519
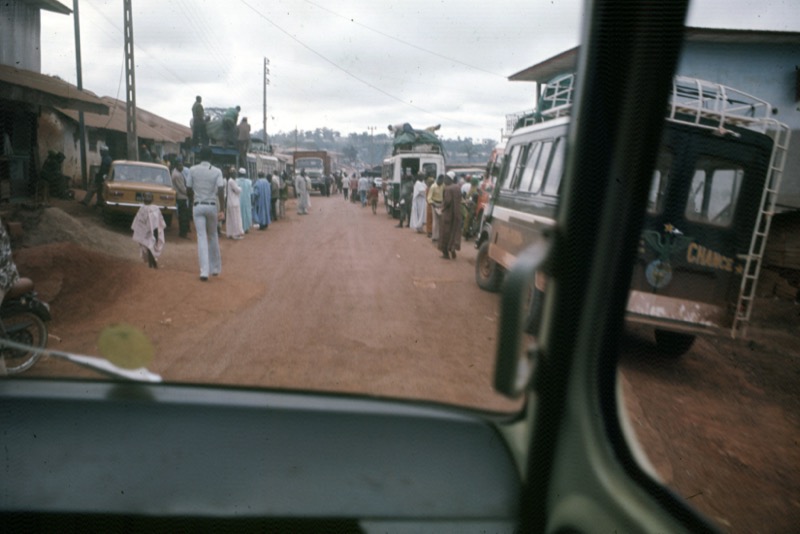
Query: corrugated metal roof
x,y
21,85
148,125
567,61
549,68
49,5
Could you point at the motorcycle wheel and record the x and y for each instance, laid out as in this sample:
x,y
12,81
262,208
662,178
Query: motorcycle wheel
x,y
28,329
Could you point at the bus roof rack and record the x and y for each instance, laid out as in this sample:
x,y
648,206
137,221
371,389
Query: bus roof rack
x,y
715,105
692,101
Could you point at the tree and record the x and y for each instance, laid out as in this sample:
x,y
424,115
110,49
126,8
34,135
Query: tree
x,y
350,153
469,149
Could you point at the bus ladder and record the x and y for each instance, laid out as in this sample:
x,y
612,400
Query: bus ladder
x,y
758,241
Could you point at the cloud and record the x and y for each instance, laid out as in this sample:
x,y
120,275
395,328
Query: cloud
x,y
344,66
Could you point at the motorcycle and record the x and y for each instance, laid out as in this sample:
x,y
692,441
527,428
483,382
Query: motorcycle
x,y
23,321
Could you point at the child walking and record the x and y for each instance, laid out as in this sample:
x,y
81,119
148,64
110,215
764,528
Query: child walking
x,y
372,198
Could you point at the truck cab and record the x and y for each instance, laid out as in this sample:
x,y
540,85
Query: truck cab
x,y
414,152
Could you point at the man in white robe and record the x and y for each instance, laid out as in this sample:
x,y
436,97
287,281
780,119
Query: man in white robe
x,y
418,205
148,230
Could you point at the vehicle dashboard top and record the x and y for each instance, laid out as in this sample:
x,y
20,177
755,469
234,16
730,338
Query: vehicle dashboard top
x,y
193,451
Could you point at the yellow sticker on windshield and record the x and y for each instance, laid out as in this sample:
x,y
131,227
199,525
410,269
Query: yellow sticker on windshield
x,y
125,346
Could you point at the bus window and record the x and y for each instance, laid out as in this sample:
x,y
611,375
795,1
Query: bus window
x,y
541,165
509,167
658,187
556,170
519,168
714,191
429,169
527,175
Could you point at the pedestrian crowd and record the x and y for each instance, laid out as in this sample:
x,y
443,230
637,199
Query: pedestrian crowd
x,y
216,201
443,208
210,197
218,197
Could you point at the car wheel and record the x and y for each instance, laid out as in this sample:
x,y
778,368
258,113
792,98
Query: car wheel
x,y
673,344
488,274
168,220
108,217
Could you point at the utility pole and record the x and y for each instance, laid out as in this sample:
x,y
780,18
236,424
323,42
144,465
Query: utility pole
x,y
81,127
371,147
266,83
130,83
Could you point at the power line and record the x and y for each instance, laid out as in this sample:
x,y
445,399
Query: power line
x,y
145,51
202,31
412,45
348,73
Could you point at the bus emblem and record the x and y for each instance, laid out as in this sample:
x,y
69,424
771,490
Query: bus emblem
x,y
665,244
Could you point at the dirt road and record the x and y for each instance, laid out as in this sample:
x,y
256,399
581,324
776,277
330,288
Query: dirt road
x,y
341,300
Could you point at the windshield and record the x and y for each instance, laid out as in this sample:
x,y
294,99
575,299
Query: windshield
x,y
327,287
141,173
309,163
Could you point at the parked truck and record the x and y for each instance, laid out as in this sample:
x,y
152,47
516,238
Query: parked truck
x,y
316,163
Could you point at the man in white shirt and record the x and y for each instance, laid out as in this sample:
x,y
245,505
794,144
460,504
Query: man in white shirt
x,y
205,186
363,187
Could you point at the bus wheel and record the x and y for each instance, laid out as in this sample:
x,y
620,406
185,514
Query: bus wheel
x,y
488,274
673,344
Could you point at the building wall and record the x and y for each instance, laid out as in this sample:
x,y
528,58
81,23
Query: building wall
x,y
60,134
20,32
766,71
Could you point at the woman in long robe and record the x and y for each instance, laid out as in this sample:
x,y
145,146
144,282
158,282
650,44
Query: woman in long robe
x,y
233,215
451,221
246,202
262,193
418,205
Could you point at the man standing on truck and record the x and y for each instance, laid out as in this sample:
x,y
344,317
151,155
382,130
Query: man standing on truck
x,y
243,139
199,134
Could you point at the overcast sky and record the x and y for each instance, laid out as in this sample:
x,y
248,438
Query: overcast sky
x,y
346,65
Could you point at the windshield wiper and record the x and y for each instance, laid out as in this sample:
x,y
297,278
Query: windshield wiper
x,y
100,365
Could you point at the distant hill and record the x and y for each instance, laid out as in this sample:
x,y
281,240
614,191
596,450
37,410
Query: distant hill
x,y
365,150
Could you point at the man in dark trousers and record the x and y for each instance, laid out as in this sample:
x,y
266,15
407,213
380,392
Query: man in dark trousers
x,y
406,195
182,198
99,178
